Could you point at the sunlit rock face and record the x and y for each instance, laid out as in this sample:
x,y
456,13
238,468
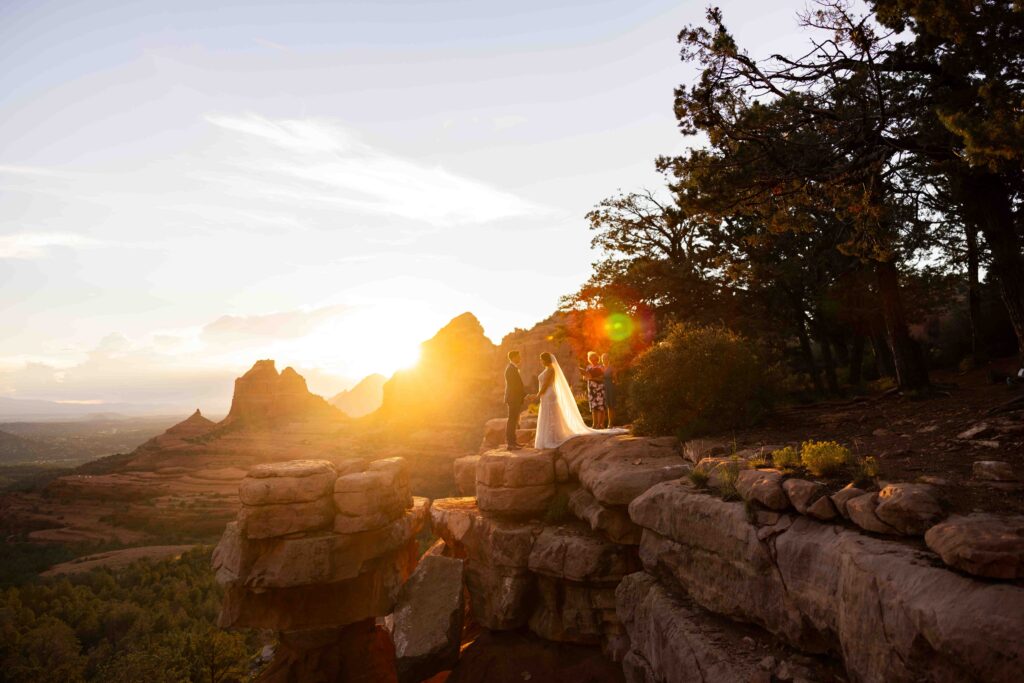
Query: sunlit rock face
x,y
362,399
457,379
890,609
264,397
294,562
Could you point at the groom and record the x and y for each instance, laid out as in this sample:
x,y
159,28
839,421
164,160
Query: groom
x,y
514,396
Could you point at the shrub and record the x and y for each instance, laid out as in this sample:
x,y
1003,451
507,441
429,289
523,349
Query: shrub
x,y
728,473
786,458
824,458
868,470
699,478
698,380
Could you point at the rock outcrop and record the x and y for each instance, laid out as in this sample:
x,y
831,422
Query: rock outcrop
x,y
362,399
265,398
285,567
555,577
981,544
884,607
428,619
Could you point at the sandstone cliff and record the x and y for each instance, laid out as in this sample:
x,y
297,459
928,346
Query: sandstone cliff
x,y
264,398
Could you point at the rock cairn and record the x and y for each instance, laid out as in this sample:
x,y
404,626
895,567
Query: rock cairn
x,y
317,554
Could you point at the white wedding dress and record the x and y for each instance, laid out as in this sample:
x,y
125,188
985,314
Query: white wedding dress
x,y
560,419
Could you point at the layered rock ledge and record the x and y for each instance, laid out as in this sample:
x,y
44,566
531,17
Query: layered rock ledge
x,y
887,609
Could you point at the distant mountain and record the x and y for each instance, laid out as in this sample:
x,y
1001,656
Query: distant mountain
x,y
457,379
15,409
17,449
264,398
363,398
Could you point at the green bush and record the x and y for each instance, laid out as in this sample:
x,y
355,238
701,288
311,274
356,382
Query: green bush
x,y
824,458
786,458
728,473
698,380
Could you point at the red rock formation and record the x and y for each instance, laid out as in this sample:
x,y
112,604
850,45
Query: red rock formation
x,y
363,398
457,379
264,398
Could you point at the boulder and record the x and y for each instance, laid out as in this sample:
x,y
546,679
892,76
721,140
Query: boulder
x,y
396,475
668,643
908,508
372,593
576,553
823,509
696,450
298,481
993,470
981,544
719,470
614,522
842,496
515,483
861,511
269,521
617,469
515,469
318,558
368,494
571,612
763,486
497,553
884,605
525,501
465,474
428,619
803,494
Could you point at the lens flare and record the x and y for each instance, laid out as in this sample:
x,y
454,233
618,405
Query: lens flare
x,y
618,327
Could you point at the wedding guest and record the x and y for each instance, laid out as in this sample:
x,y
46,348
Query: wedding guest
x,y
595,390
609,390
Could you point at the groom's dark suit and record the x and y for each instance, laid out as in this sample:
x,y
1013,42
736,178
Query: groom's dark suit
x,y
514,395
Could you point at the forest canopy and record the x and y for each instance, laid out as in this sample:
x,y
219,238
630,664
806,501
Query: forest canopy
x,y
838,204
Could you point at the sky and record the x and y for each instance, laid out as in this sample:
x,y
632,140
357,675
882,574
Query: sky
x,y
188,187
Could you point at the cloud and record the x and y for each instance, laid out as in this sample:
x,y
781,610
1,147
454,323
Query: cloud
x,y
27,245
327,163
283,325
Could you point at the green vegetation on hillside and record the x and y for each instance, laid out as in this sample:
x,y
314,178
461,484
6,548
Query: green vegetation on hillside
x,y
150,621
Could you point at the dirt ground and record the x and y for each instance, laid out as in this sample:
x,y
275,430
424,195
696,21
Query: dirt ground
x,y
920,437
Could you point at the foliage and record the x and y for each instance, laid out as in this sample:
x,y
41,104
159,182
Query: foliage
x,y
699,477
696,380
728,472
824,458
867,470
150,621
843,194
786,458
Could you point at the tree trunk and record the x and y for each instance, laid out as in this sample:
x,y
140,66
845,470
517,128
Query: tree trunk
x,y
856,359
910,369
805,347
826,355
973,291
987,203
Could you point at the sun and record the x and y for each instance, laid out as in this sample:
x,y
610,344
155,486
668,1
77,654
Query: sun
x,y
365,341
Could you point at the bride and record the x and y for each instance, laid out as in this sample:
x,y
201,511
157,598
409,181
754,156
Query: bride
x,y
559,419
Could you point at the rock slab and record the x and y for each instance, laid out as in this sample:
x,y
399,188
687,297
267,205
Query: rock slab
x,y
428,619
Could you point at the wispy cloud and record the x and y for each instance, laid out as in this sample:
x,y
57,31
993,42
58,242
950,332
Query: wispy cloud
x,y
29,245
283,325
327,163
